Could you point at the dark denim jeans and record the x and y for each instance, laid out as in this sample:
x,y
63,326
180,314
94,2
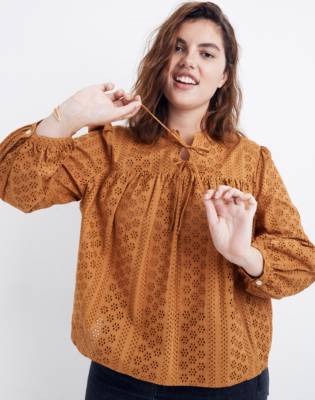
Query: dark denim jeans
x,y
106,384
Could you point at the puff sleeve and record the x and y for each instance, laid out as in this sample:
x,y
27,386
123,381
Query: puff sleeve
x,y
288,254
37,171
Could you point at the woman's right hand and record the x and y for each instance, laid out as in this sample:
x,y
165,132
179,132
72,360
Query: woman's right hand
x,y
92,106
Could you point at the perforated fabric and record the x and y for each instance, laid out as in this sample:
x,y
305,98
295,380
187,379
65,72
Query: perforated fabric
x,y
153,297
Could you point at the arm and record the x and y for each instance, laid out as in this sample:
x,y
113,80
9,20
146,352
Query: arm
x,y
38,171
51,127
288,254
41,164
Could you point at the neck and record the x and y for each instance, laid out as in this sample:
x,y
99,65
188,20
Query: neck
x,y
186,121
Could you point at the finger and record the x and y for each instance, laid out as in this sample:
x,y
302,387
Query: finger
x,y
209,194
220,190
232,194
126,98
229,193
250,201
132,113
237,202
130,108
210,208
123,98
247,200
117,95
235,193
107,86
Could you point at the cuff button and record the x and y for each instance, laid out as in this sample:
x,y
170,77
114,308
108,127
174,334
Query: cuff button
x,y
258,282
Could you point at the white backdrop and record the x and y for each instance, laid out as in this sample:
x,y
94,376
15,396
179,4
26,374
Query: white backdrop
x,y
49,50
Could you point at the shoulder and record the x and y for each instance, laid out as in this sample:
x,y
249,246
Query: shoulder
x,y
104,136
251,157
100,147
250,144
118,131
253,148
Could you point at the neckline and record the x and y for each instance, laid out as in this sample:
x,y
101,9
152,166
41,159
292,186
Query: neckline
x,y
176,134
195,137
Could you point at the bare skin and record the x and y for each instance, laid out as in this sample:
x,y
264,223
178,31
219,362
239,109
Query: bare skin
x,y
91,106
230,212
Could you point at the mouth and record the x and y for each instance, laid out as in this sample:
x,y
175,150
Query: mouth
x,y
185,79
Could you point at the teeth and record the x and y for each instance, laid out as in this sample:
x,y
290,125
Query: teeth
x,y
185,79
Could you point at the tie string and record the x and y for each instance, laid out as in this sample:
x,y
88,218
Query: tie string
x,y
179,209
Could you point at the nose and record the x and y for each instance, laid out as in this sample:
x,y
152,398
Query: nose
x,y
187,63
188,60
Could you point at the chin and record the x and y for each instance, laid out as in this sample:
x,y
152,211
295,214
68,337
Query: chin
x,y
184,104
180,101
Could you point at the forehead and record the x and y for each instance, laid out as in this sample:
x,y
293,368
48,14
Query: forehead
x,y
200,31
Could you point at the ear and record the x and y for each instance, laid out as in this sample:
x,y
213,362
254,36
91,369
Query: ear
x,y
223,80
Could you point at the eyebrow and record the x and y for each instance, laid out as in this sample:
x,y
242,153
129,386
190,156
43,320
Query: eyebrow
x,y
212,45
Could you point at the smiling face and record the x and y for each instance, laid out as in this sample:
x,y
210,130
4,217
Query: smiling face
x,y
196,67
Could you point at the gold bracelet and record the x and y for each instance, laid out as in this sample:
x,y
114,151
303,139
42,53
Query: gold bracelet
x,y
57,113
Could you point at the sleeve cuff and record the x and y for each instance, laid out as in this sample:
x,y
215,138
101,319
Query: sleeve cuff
x,y
256,284
46,141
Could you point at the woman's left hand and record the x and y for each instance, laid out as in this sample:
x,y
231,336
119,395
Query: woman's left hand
x,y
230,214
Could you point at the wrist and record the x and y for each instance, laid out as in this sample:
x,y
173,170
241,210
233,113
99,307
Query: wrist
x,y
251,260
70,116
65,127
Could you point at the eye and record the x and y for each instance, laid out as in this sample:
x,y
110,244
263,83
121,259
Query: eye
x,y
204,53
178,48
207,55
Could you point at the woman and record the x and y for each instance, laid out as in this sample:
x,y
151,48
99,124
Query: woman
x,y
187,232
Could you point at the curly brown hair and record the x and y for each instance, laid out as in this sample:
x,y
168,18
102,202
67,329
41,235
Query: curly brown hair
x,y
221,119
